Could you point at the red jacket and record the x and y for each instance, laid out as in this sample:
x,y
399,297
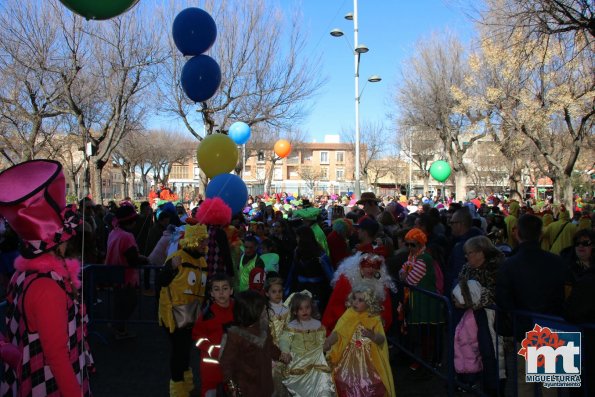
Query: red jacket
x,y
336,305
207,333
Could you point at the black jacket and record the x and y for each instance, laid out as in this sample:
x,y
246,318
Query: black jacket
x,y
531,280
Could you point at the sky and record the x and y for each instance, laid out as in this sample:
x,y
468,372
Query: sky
x,y
390,29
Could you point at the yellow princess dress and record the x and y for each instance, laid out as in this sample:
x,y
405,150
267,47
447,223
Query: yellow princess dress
x,y
361,368
277,321
308,373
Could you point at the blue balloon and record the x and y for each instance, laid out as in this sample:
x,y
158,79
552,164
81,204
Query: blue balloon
x,y
239,132
231,189
200,78
194,31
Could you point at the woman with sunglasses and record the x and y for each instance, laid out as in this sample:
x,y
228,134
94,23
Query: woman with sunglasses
x,y
423,312
580,256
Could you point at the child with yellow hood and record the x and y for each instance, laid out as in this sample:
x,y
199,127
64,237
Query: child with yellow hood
x,y
359,349
183,282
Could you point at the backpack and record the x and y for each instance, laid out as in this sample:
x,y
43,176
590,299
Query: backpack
x,y
439,276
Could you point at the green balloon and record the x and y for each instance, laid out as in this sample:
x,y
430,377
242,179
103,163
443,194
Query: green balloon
x,y
99,9
440,170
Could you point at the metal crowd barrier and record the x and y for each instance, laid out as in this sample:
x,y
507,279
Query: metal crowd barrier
x,y
99,283
444,333
441,332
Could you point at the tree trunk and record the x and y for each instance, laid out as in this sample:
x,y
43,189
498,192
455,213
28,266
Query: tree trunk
x,y
426,183
95,173
269,177
557,199
145,185
131,181
204,181
566,190
125,192
515,183
460,185
87,180
73,189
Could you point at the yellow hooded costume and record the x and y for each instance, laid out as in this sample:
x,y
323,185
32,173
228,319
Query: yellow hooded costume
x,y
351,344
189,283
559,234
511,221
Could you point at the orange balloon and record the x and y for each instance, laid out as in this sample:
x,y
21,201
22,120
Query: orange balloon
x,y
282,148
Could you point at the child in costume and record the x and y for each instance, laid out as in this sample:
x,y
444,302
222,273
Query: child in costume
x,y
358,349
303,337
185,292
360,269
209,329
248,349
278,313
249,261
45,321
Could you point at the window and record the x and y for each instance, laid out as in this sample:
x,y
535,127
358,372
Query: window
x,y
324,173
293,159
247,170
306,156
179,171
323,157
340,157
278,174
260,156
292,172
260,174
340,174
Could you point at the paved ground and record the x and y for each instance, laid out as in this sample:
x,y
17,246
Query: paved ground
x,y
139,367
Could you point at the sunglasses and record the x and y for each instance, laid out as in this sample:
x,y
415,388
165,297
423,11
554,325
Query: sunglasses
x,y
410,245
583,244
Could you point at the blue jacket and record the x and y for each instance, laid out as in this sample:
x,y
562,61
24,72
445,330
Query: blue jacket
x,y
457,259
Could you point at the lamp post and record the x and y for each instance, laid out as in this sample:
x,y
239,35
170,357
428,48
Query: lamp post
x,y
358,50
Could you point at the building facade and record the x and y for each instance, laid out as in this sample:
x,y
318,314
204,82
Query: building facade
x,y
310,168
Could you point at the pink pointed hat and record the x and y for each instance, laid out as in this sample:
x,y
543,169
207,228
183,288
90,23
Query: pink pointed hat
x,y
33,201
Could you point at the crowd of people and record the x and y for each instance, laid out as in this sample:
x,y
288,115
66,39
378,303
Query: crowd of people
x,y
314,291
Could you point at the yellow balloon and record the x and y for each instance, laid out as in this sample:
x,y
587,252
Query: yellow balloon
x,y
217,154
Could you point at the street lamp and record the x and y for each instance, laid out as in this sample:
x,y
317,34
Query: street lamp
x,y
358,50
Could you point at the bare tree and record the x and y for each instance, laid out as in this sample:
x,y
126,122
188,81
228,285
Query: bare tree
x,y
420,147
131,155
104,70
69,149
310,175
544,101
29,93
373,138
167,148
377,170
535,22
426,101
265,77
